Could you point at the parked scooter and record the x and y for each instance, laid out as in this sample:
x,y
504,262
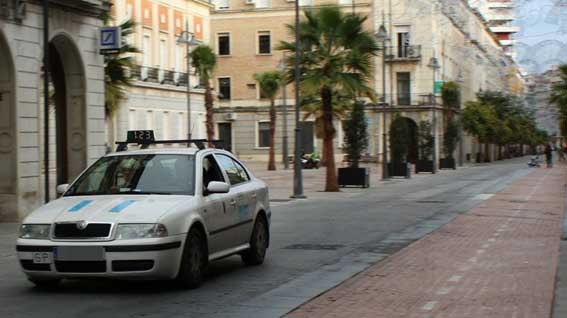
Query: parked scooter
x,y
534,162
310,161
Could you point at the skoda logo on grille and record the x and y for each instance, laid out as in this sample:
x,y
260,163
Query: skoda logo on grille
x,y
81,225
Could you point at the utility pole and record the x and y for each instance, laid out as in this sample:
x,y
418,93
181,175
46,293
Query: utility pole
x,y
297,173
188,39
434,64
382,36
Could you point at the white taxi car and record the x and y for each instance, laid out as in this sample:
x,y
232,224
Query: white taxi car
x,y
148,214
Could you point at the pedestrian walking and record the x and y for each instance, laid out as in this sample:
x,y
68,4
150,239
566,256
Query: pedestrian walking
x,y
549,155
561,154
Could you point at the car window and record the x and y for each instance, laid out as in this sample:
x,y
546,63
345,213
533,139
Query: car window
x,y
211,171
137,174
236,174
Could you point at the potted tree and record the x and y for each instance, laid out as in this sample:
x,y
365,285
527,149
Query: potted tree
x,y
449,145
399,143
424,162
355,141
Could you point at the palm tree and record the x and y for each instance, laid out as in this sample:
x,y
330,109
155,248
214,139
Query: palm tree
x,y
270,82
559,98
204,61
117,76
336,56
116,71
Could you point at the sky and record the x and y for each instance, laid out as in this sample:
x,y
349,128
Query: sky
x,y
542,40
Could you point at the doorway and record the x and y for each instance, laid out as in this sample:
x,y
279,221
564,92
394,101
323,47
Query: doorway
x,y
225,134
67,110
8,148
307,133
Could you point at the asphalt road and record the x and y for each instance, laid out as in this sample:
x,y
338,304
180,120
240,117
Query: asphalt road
x,y
316,244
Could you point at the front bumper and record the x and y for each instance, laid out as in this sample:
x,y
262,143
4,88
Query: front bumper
x,y
129,259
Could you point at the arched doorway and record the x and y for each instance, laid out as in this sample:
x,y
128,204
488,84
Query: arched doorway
x,y
404,139
8,149
68,102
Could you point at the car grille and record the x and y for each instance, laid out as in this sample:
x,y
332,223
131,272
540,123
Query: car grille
x,y
132,265
29,265
80,266
70,230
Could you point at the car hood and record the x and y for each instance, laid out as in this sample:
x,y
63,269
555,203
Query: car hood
x,y
108,208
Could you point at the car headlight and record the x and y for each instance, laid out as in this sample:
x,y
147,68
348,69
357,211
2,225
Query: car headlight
x,y
137,231
35,231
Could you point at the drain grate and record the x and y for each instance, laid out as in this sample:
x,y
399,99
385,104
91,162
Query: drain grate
x,y
314,247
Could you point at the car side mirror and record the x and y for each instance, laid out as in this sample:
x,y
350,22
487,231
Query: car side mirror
x,y
218,187
62,188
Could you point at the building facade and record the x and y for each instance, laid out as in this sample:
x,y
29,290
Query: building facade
x,y
539,88
158,98
500,16
76,132
430,42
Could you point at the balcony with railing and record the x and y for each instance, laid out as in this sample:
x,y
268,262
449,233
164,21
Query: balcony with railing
x,y
408,100
403,53
160,76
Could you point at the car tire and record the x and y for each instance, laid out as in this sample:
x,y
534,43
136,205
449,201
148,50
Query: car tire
x,y
259,242
194,260
46,283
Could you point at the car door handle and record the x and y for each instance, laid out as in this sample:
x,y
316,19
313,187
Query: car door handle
x,y
233,202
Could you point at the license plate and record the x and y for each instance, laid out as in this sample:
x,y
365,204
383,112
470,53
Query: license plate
x,y
42,257
79,253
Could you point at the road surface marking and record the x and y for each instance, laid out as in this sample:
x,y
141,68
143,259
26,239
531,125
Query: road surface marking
x,y
444,291
455,278
429,305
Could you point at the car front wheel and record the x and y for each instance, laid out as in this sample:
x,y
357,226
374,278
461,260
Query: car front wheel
x,y
258,243
194,260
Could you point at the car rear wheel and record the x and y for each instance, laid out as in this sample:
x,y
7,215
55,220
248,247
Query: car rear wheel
x,y
258,243
194,260
46,282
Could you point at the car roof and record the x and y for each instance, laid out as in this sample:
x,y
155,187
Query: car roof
x,y
165,151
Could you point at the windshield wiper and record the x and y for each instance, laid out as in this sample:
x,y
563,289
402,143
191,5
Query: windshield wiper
x,y
142,192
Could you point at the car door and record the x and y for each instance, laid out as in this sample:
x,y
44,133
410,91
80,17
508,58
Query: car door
x,y
243,189
218,215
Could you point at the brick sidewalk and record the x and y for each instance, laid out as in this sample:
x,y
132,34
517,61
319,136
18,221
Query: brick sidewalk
x,y
497,260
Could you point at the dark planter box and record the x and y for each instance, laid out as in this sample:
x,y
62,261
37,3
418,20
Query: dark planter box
x,y
399,169
424,166
354,177
448,163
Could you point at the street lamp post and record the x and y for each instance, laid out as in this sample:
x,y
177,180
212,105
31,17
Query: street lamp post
x,y
285,152
434,64
187,38
382,36
297,173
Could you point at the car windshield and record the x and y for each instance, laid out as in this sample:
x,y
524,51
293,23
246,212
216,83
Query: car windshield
x,y
138,174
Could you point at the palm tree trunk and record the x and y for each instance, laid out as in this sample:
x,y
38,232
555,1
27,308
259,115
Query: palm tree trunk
x,y
331,183
272,160
210,121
